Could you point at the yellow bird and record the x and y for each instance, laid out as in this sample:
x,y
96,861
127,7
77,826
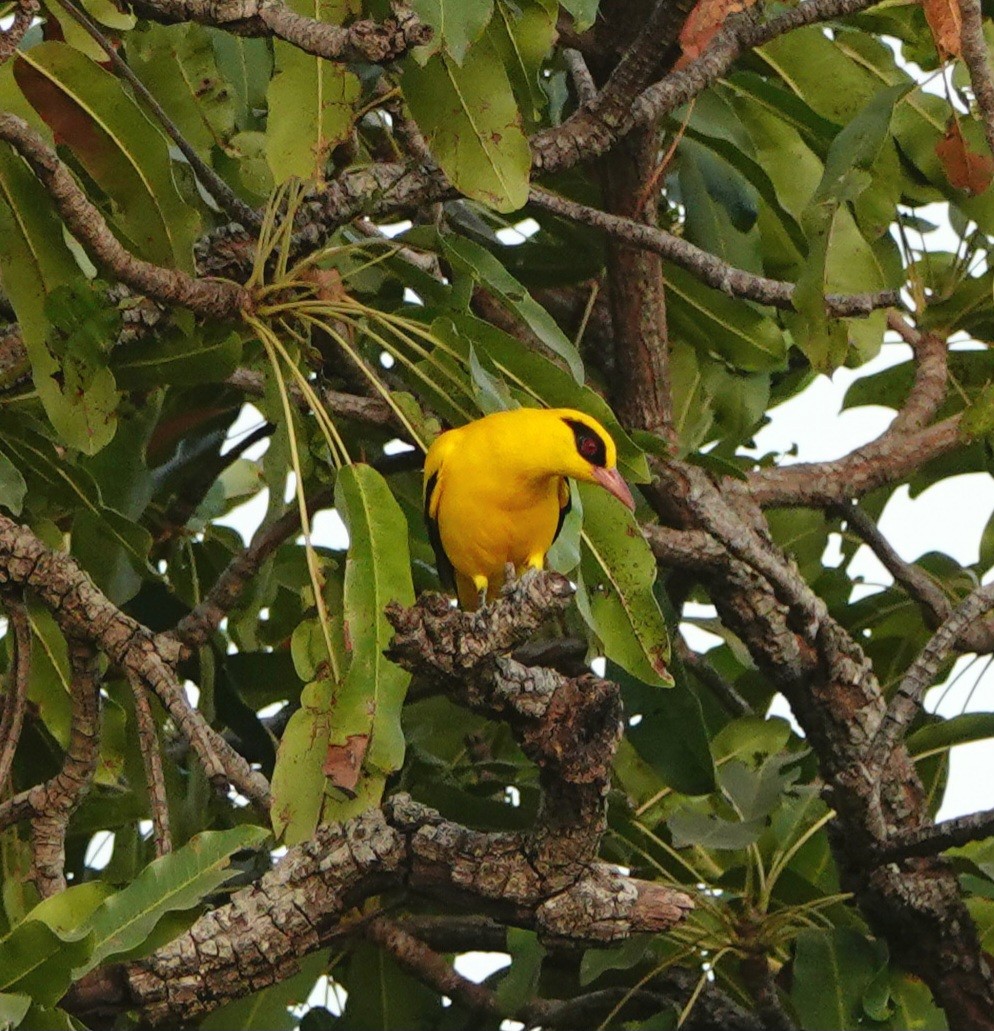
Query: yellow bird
x,y
495,491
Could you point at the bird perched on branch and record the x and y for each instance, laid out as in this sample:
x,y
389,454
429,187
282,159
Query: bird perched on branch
x,y
496,492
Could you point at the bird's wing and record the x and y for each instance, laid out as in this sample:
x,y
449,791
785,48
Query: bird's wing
x,y
433,466
565,504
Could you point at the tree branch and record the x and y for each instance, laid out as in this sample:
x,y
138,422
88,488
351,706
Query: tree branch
x,y
11,37
84,613
212,298
15,697
364,41
920,676
706,266
933,838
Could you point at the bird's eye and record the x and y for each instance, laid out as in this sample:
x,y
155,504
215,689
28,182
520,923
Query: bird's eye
x,y
588,447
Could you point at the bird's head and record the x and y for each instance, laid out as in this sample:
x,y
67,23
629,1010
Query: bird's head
x,y
588,453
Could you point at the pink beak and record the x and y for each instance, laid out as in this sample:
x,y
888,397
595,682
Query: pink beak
x,y
612,482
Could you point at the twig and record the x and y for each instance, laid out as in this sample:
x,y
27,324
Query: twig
x,y
414,956
931,355
195,628
920,675
976,57
730,700
228,200
706,266
16,695
148,742
579,73
213,298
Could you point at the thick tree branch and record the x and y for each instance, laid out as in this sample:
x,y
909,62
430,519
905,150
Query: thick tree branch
x,y
365,40
581,138
889,458
212,298
84,613
833,693
53,803
706,266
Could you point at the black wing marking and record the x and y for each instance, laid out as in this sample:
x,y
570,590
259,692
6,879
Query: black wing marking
x,y
563,512
446,572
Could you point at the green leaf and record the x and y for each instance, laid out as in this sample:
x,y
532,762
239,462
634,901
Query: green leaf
x,y
584,12
121,150
177,64
477,262
177,881
246,66
832,971
523,35
471,124
617,957
708,831
377,571
311,108
37,961
491,393
756,792
978,419
957,730
520,983
716,323
12,1009
670,734
178,356
456,24
50,681
12,486
614,588
298,784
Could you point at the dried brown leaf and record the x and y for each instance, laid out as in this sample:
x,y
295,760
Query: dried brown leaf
x,y
704,22
343,763
965,169
946,23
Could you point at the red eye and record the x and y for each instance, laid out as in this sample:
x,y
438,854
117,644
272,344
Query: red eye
x,y
588,447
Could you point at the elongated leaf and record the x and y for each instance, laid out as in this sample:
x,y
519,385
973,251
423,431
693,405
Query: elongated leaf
x,y
298,784
832,971
455,23
35,263
177,64
37,961
715,323
117,145
471,123
177,357
12,1008
12,486
614,588
378,571
484,268
311,104
957,730
523,35
246,66
176,881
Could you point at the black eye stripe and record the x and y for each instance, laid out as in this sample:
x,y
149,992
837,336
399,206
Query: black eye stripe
x,y
589,443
